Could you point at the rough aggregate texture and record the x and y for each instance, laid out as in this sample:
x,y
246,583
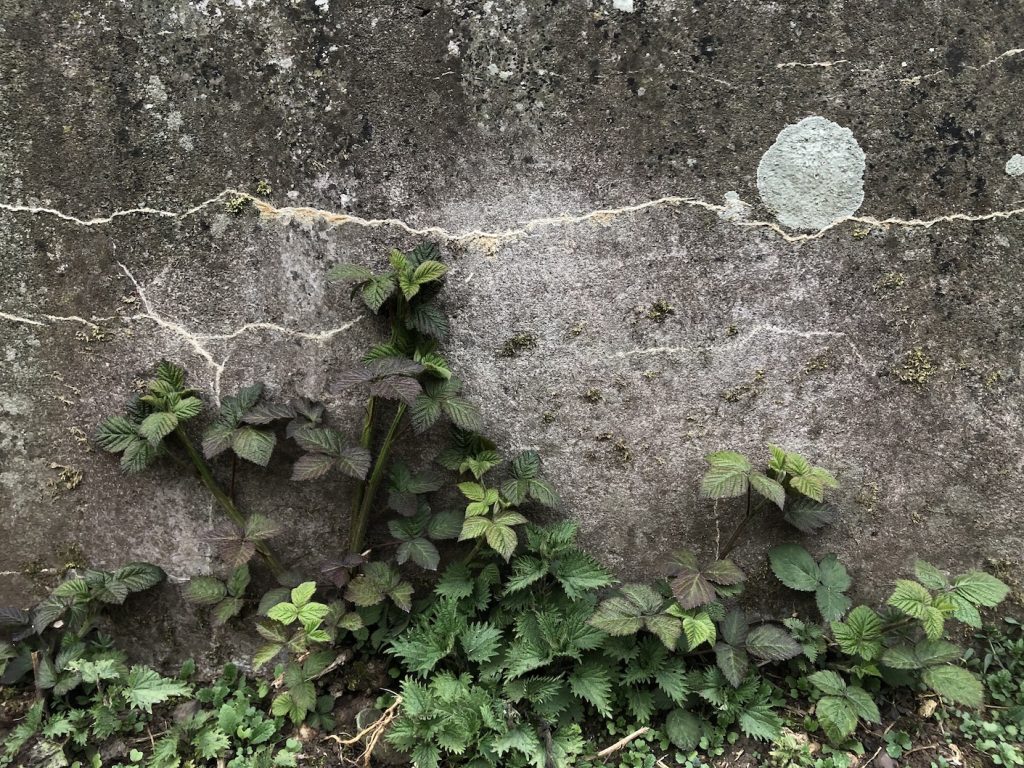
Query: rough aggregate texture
x,y
891,352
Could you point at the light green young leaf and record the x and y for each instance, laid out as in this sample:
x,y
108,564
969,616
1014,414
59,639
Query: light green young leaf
x,y
728,475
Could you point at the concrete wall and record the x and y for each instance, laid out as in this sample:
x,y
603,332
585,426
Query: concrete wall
x,y
581,163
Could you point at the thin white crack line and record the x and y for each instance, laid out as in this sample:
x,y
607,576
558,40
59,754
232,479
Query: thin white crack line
x,y
742,341
811,64
938,73
195,340
332,218
52,319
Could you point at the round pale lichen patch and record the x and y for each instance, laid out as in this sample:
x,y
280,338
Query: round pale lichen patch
x,y
1015,165
813,175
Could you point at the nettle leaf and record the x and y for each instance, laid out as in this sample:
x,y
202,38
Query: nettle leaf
x,y
728,475
733,662
144,687
592,683
480,642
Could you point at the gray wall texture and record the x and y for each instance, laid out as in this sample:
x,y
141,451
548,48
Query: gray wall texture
x,y
715,224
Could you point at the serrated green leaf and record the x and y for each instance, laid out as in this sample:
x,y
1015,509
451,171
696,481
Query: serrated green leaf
x,y
733,662
794,567
728,475
861,633
255,445
349,272
157,426
205,590
828,682
837,717
930,576
592,683
980,588
956,685
772,643
768,488
480,642
684,729
144,687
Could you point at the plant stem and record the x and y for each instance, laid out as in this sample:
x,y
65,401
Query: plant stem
x,y
357,527
206,475
731,543
365,440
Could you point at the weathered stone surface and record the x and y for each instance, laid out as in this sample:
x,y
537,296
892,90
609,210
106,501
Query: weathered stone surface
x,y
576,159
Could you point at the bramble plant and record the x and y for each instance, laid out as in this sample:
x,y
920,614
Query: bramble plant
x,y
526,649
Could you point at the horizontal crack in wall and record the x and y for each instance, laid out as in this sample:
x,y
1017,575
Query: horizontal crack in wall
x,y
494,238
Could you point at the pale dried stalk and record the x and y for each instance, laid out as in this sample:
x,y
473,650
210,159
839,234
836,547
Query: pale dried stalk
x,y
375,731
